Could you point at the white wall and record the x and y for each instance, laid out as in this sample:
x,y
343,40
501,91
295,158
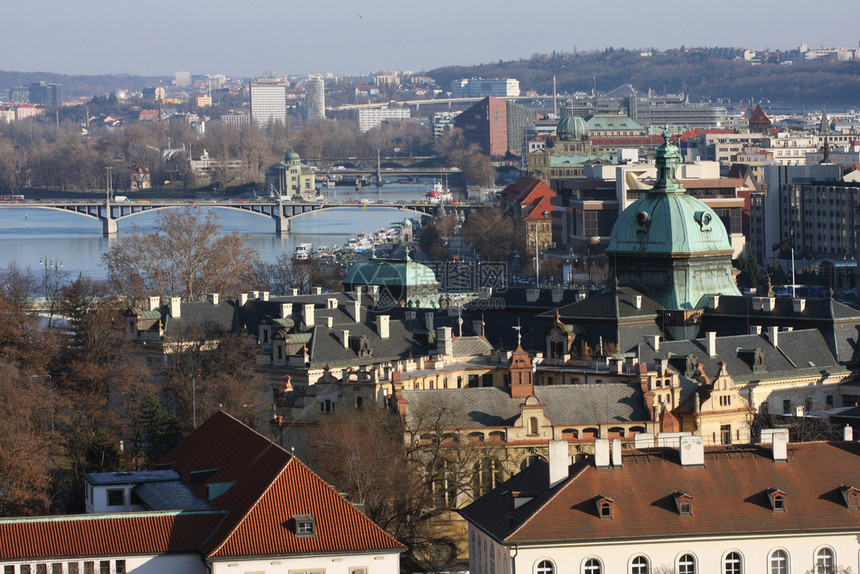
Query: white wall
x,y
709,554
161,564
386,562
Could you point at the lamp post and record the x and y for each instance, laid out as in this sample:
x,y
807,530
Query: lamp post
x,y
52,283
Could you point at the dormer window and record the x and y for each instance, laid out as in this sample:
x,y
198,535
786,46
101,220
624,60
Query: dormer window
x,y
604,507
777,499
684,503
851,496
306,525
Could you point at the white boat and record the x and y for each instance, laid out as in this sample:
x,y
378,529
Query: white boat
x,y
303,251
439,194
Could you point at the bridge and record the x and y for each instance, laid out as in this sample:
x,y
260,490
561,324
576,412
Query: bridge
x,y
279,211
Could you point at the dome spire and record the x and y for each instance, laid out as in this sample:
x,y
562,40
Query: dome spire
x,y
668,158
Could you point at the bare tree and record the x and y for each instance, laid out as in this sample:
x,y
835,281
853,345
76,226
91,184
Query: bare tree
x,y
185,255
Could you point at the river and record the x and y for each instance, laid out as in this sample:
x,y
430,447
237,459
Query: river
x,y
29,236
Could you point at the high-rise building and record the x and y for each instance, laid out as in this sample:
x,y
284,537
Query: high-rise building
x,y
486,124
315,98
182,79
19,95
481,87
369,118
268,102
46,94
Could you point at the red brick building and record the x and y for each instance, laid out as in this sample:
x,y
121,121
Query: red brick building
x,y
486,124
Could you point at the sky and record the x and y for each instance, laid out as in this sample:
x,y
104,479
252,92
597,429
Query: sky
x,y
244,38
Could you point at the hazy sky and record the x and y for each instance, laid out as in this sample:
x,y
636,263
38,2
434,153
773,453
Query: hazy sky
x,y
243,38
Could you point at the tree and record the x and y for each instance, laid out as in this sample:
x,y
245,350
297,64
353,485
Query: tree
x,y
363,453
94,333
491,233
185,255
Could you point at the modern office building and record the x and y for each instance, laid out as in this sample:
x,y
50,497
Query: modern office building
x,y
19,95
315,98
268,102
46,94
675,110
486,124
480,87
369,118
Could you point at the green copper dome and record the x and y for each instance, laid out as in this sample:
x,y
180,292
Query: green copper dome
x,y
391,273
668,221
670,245
572,128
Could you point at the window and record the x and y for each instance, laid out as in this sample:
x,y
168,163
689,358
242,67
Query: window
x,y
605,510
89,567
726,434
25,569
824,561
73,567
732,563
779,562
41,569
115,497
545,567
639,565
8,570
305,525
104,566
533,425
684,507
687,564
57,568
592,566
326,406
119,567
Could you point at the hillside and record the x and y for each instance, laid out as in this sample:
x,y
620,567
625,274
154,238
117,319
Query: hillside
x,y
703,74
80,86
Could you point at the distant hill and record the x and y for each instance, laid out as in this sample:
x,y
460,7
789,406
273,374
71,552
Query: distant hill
x,y
701,73
75,87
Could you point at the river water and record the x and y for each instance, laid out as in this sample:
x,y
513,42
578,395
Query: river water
x,y
29,236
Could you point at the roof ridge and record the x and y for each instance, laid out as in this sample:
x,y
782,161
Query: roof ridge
x,y
108,516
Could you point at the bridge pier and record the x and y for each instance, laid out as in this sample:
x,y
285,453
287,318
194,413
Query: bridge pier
x,y
282,225
109,227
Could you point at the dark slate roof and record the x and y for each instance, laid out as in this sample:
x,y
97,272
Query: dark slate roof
x,y
798,353
327,344
130,477
203,317
171,495
471,347
564,404
605,306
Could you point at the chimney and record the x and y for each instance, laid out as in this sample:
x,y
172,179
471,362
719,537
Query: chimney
x,y
559,462
264,295
154,303
643,440
243,298
580,296
773,335
601,453
255,294
356,310
557,295
712,343
358,292
444,344
374,290
286,310
410,315
799,305
308,314
848,433
213,298
780,445
637,301
655,341
713,301
664,366
382,326
175,305
532,295
616,453
478,327
294,291
346,338
317,290
329,321
428,320
692,451
331,303
755,330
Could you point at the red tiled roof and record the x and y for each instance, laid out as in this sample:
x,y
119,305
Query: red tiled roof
x,y
266,529
536,214
106,535
270,486
527,187
729,496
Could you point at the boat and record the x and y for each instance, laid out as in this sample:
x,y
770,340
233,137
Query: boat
x,y
439,194
303,251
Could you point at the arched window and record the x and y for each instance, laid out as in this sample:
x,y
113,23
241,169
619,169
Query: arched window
x,y
639,565
592,566
779,562
527,461
359,402
533,425
486,476
824,561
687,564
732,563
545,567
